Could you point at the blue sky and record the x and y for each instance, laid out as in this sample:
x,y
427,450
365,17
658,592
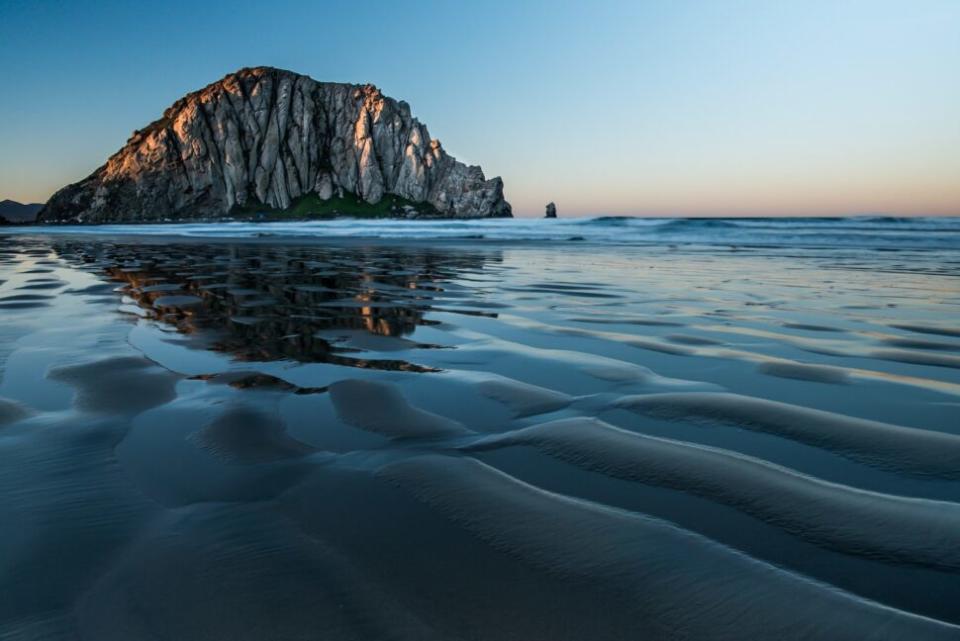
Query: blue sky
x,y
652,108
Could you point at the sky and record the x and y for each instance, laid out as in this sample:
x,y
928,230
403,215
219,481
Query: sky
x,y
658,108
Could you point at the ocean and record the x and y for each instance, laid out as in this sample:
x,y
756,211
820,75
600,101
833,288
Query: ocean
x,y
869,232
607,428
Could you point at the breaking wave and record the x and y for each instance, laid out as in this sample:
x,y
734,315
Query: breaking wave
x,y
856,232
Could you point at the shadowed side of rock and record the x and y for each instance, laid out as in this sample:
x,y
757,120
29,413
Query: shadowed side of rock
x,y
265,138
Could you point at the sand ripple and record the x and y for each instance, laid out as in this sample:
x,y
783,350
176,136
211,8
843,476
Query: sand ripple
x,y
839,517
891,447
381,408
657,565
123,385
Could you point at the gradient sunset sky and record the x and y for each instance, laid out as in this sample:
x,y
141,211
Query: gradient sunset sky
x,y
606,107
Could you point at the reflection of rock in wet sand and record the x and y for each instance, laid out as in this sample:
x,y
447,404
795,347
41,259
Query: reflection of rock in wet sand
x,y
256,380
268,303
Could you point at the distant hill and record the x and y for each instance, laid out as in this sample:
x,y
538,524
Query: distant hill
x,y
13,212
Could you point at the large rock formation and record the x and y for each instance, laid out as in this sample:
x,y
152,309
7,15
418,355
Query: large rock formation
x,y
265,138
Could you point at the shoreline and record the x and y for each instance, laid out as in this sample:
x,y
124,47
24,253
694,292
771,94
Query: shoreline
x,y
710,234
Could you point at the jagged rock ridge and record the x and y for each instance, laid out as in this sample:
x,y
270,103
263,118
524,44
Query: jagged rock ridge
x,y
266,137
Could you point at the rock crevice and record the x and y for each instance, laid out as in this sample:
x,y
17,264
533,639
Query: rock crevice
x,y
265,137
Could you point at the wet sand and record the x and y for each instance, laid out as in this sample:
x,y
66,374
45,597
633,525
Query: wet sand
x,y
383,440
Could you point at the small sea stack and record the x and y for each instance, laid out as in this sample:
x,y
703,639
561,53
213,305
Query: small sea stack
x,y
551,211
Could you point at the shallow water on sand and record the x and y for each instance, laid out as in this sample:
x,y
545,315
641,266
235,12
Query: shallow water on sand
x,y
367,440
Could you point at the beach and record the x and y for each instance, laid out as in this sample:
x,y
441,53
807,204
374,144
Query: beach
x,y
603,429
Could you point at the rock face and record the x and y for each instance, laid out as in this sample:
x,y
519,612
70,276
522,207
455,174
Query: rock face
x,y
265,137
551,211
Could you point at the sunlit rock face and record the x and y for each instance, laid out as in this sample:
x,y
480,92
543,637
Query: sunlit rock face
x,y
266,137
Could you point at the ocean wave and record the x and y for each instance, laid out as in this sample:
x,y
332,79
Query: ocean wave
x,y
699,223
882,233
